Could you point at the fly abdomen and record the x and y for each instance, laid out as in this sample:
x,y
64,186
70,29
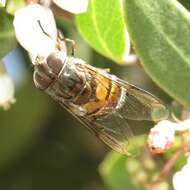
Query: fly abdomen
x,y
106,95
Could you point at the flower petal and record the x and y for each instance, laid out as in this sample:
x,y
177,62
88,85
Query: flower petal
x,y
181,178
73,6
183,125
29,33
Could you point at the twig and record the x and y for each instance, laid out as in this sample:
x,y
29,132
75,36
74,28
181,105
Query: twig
x,y
168,166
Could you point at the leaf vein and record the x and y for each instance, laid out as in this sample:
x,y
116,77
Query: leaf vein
x,y
101,40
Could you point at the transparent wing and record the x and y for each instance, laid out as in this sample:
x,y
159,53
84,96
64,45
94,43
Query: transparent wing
x,y
116,133
113,130
138,104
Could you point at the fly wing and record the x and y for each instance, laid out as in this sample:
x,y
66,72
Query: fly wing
x,y
113,130
117,134
138,104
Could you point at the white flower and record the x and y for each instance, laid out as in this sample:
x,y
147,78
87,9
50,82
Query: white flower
x,y
29,23
183,125
6,91
45,3
73,6
181,179
2,3
162,136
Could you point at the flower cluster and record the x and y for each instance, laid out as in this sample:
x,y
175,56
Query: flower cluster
x,y
6,89
161,138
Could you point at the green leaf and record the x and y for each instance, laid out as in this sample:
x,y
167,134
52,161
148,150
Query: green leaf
x,y
124,173
7,36
115,174
103,26
13,5
160,32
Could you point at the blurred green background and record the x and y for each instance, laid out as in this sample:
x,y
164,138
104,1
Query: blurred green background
x,y
42,147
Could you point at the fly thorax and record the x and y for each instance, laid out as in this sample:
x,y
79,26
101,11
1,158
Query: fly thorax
x,y
69,84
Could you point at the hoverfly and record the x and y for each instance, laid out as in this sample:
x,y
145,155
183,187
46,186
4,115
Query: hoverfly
x,y
99,100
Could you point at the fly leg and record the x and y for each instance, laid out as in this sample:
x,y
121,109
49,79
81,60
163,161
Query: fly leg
x,y
64,40
73,45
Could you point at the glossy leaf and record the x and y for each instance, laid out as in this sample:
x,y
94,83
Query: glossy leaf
x,y
103,27
7,37
160,33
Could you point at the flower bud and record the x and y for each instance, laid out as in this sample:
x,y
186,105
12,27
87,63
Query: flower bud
x,y
162,137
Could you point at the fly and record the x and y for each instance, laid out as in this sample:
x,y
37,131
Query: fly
x,y
101,101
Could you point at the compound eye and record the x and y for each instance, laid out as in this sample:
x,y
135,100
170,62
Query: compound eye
x,y
56,61
40,81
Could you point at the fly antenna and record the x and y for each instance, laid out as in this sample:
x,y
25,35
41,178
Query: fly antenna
x,y
43,29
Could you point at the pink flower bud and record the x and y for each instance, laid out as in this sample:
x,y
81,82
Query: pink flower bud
x,y
162,137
